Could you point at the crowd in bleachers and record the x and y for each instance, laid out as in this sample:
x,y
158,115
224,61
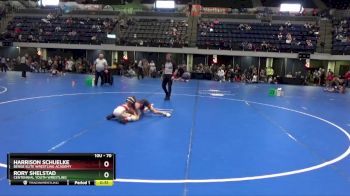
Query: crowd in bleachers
x,y
57,29
343,4
212,34
153,32
286,37
341,36
2,12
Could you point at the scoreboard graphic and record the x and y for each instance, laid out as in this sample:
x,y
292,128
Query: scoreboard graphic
x,y
61,169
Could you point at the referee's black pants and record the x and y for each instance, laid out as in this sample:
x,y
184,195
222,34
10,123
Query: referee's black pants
x,y
140,73
99,74
3,67
167,81
24,70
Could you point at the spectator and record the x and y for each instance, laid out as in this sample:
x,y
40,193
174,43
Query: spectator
x,y
221,75
264,46
262,75
339,37
60,65
307,25
280,36
140,69
24,65
216,21
255,78
130,73
69,65
54,71
288,24
45,21
269,73
72,33
322,74
309,43
153,69
347,79
3,64
146,67
316,76
58,28
330,77
50,16
289,38
30,38
281,28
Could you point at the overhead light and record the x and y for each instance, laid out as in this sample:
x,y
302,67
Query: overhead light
x,y
111,36
50,2
291,7
165,4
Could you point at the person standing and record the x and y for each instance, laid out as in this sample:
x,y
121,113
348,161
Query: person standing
x,y
3,65
269,73
170,70
140,70
60,66
23,66
153,69
146,68
100,68
347,79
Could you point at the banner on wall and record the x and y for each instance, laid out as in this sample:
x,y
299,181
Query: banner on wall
x,y
70,6
216,10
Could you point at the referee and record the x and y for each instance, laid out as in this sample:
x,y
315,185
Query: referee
x,y
101,67
169,71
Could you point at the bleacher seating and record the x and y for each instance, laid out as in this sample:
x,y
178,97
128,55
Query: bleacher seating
x,y
2,12
261,37
154,32
227,4
341,36
160,14
338,4
176,1
58,30
94,12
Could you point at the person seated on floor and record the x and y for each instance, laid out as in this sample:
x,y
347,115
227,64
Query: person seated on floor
x,y
126,112
221,75
255,78
185,77
144,105
130,73
337,85
182,75
54,71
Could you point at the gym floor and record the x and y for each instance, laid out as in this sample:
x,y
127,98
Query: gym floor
x,y
222,138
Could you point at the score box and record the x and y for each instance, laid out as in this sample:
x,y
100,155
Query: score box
x,y
61,168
